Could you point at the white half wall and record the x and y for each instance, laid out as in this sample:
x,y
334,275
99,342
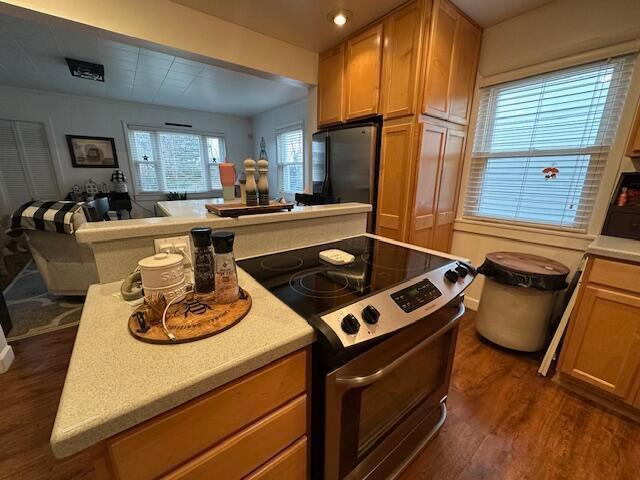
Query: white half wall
x,y
267,123
75,115
6,353
561,29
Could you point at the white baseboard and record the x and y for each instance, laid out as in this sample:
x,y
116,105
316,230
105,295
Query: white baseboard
x,y
471,303
6,358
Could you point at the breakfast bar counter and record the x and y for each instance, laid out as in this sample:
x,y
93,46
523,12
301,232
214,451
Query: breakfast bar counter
x,y
115,382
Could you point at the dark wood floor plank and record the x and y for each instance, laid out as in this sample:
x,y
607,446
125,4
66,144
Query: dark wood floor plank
x,y
522,425
504,422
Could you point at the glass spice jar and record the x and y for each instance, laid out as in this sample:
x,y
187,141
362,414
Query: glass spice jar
x,y
226,275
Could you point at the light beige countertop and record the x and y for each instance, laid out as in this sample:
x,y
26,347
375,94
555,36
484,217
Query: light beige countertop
x,y
115,382
614,247
186,214
190,208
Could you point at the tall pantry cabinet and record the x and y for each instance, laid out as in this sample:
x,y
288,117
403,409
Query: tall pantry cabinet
x,y
427,52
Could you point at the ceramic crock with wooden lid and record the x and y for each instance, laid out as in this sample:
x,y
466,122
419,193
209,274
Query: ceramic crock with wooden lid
x,y
162,273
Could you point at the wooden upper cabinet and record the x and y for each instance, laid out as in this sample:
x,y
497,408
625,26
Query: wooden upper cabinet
x,y
466,49
448,181
402,37
603,344
362,75
331,86
439,62
432,142
451,63
396,168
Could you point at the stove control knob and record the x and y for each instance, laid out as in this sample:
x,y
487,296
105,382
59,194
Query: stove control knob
x,y
350,324
370,314
462,270
451,275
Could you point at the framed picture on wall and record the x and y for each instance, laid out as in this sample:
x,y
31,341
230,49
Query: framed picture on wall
x,y
92,152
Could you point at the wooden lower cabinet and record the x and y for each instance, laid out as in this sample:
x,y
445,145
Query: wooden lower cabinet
x,y
602,346
419,180
254,427
397,156
241,454
449,170
289,465
422,218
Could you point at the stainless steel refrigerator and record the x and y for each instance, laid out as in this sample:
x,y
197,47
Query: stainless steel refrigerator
x,y
345,162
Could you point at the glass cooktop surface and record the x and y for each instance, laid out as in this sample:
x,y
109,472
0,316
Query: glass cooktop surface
x,y
311,286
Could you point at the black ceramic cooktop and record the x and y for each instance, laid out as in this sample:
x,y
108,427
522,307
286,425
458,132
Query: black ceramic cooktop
x,y
312,286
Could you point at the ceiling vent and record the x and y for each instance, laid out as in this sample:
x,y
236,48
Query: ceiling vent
x,y
86,70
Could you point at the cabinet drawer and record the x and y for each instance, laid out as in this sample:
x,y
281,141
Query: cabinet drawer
x,y
243,453
620,275
289,465
161,444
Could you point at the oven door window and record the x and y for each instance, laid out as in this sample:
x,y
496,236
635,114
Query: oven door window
x,y
385,403
370,413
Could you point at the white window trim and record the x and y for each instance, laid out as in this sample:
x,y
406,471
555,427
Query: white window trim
x,y
297,125
616,152
53,155
617,50
160,194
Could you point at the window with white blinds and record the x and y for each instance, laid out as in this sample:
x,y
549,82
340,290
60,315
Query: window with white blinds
x,y
26,167
290,153
175,161
541,144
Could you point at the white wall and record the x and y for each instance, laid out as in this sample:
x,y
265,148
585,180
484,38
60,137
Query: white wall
x,y
560,29
75,115
265,125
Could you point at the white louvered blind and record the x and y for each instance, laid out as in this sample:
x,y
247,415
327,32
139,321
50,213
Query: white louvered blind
x,y
541,144
175,161
26,167
290,153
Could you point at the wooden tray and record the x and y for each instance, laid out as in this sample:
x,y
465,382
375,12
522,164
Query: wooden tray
x,y
194,318
237,209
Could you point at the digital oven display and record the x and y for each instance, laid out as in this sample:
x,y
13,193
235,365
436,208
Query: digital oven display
x,y
416,295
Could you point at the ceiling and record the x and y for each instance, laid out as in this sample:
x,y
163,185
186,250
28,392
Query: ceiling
x,y
490,12
299,22
304,22
32,56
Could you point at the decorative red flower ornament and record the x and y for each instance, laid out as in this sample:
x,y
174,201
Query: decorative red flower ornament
x,y
550,172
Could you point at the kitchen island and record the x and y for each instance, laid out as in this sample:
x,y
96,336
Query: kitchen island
x,y
115,383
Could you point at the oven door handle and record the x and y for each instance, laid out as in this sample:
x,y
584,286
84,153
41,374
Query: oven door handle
x,y
358,381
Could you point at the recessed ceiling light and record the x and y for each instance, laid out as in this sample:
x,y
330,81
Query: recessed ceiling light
x,y
339,17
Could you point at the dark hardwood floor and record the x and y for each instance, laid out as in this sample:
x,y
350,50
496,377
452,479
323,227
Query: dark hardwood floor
x,y
505,421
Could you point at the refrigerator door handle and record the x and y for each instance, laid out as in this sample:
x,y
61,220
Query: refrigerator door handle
x,y
326,184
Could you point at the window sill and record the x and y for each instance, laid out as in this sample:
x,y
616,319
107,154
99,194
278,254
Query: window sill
x,y
540,236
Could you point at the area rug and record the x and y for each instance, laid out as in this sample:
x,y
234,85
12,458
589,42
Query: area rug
x,y
33,310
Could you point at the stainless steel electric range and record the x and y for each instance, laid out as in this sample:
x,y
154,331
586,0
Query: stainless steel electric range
x,y
387,327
